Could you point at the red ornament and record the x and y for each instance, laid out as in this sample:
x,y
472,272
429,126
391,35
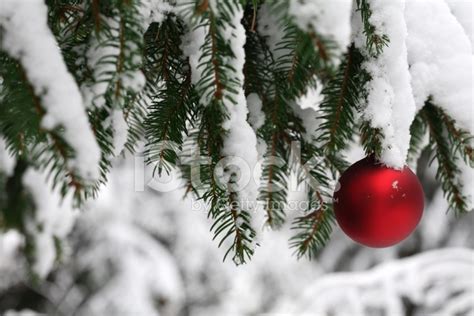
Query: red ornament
x,y
378,206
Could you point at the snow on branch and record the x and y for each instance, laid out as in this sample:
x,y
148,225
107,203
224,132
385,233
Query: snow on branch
x,y
329,19
11,264
440,58
51,222
217,57
27,38
241,140
390,103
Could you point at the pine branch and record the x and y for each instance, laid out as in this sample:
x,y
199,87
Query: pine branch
x,y
275,172
461,139
43,148
96,14
229,220
417,131
342,96
442,145
218,88
299,58
17,204
175,103
375,42
258,68
313,229
371,139
300,62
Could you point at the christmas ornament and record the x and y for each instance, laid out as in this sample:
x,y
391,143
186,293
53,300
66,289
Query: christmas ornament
x,y
378,206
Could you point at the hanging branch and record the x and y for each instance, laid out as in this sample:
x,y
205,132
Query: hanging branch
x,y
175,102
375,42
17,204
342,95
461,139
417,132
289,75
218,87
313,229
46,148
442,145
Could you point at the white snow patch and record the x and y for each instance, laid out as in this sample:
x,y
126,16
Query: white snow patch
x,y
192,41
53,217
240,140
270,27
256,116
431,278
395,184
26,36
102,56
96,55
312,98
154,11
463,11
7,161
390,104
11,265
120,129
329,19
23,312
440,58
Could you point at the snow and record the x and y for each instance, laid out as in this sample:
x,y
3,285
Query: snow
x,y
34,45
154,11
467,180
11,264
270,27
440,58
306,108
256,119
120,129
309,118
98,52
24,312
435,225
142,241
428,279
117,229
395,184
390,103
240,141
462,10
313,97
102,57
53,217
7,162
214,6
256,116
329,19
192,41
142,266
133,81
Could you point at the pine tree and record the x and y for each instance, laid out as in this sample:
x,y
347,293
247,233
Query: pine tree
x,y
180,76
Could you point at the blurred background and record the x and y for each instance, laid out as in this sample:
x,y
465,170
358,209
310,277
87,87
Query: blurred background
x,y
134,252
